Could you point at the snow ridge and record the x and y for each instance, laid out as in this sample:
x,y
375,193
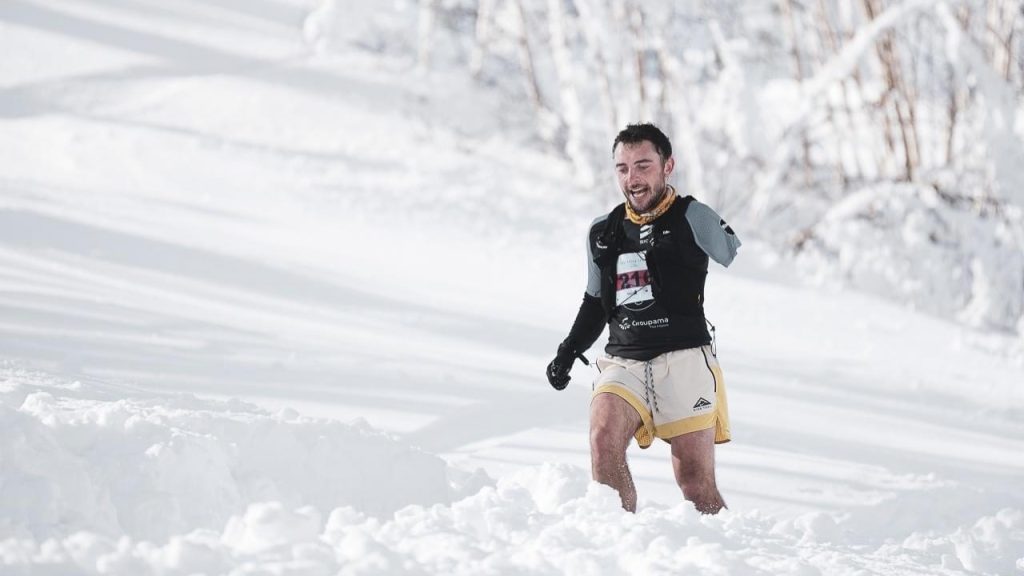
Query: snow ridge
x,y
149,467
177,485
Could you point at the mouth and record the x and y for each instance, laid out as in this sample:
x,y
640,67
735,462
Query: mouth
x,y
639,195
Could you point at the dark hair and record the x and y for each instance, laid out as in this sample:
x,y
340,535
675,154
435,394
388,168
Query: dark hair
x,y
637,133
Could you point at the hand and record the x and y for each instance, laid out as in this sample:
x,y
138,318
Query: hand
x,y
558,374
558,369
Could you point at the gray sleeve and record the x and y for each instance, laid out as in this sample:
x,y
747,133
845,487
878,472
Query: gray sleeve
x,y
593,272
712,234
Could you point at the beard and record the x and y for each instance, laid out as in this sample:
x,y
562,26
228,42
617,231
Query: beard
x,y
643,199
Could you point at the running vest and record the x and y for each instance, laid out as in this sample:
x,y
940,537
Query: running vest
x,y
652,283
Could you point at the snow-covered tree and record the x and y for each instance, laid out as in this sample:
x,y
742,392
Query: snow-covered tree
x,y
785,115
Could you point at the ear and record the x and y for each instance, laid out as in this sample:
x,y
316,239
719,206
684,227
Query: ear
x,y
670,164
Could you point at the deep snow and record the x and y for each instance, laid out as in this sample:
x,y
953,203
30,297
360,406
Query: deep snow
x,y
268,308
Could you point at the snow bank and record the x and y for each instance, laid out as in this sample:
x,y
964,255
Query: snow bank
x,y
988,546
79,457
545,520
906,242
98,479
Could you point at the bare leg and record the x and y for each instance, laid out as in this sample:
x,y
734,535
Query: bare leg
x,y
693,460
612,424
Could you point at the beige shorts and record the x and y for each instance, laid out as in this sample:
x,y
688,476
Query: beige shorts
x,y
685,393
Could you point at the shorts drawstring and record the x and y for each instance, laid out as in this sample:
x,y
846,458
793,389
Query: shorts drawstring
x,y
650,395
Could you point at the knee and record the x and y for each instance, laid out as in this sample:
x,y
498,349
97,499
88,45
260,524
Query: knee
x,y
696,484
607,441
612,423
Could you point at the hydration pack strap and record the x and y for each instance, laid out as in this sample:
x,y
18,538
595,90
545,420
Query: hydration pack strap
x,y
611,236
714,348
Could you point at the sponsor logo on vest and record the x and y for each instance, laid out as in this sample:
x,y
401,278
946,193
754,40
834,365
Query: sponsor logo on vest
x,y
628,323
646,235
702,404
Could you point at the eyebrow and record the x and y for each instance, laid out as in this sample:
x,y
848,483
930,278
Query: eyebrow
x,y
640,161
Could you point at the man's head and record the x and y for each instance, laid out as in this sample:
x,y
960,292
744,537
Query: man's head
x,y
643,162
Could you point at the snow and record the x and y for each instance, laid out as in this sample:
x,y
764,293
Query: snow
x,y
903,240
270,306
177,485
153,467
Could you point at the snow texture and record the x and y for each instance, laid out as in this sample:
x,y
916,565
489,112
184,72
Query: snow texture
x,y
153,467
906,242
179,485
278,286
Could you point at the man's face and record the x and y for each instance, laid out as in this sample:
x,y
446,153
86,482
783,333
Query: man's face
x,y
642,175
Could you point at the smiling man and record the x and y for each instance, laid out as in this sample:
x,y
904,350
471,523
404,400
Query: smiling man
x,y
647,262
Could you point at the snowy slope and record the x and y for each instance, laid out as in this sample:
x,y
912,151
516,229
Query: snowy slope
x,y
268,309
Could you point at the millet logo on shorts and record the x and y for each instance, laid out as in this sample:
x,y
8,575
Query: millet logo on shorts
x,y
702,404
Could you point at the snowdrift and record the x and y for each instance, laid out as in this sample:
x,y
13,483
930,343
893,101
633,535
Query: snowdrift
x,y
175,485
77,457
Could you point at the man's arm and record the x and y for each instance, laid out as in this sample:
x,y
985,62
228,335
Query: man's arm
x,y
712,234
586,329
590,320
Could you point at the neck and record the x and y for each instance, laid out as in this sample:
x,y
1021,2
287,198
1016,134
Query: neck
x,y
660,208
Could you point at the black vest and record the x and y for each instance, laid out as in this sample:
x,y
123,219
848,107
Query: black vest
x,y
676,271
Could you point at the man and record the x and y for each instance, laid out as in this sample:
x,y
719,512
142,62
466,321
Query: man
x,y
647,263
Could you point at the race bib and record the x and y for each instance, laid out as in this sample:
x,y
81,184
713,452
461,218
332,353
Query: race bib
x,y
632,280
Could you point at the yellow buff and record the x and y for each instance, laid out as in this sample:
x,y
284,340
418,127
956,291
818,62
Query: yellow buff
x,y
648,217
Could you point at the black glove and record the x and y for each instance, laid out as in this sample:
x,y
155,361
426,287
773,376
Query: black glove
x,y
589,324
558,369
